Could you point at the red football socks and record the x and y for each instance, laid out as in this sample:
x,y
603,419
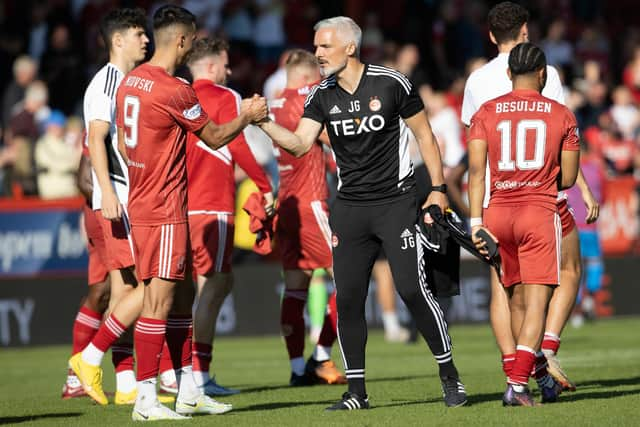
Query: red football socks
x,y
85,328
148,337
108,333
292,321
525,359
328,334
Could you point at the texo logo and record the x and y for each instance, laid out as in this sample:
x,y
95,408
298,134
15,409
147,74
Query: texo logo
x,y
357,126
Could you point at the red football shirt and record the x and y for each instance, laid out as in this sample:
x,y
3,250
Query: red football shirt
x,y
525,134
211,181
156,110
303,177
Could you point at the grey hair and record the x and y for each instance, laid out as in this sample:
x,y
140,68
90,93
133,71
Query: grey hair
x,y
346,27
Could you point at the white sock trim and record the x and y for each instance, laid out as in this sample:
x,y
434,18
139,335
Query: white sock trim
x,y
125,381
321,353
188,391
92,355
525,348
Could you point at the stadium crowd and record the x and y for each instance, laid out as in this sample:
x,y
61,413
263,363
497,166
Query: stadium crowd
x,y
49,50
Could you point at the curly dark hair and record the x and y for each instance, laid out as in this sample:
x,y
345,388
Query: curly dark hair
x,y
121,20
205,47
505,21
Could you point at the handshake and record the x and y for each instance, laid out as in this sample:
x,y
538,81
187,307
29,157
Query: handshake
x,y
255,108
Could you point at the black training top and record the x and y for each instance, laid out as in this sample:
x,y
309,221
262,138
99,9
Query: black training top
x,y
367,133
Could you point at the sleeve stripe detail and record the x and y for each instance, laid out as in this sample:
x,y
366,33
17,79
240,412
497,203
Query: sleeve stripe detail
x,y
110,82
392,71
107,80
328,82
383,71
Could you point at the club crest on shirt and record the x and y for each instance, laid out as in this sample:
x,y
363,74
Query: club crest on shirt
x,y
375,104
193,112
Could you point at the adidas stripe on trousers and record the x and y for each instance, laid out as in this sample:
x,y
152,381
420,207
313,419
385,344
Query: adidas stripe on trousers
x,y
359,233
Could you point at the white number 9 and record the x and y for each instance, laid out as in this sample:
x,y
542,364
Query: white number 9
x,y
131,112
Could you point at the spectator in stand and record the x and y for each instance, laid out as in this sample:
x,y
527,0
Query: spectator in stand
x,y
596,104
620,155
372,39
268,32
408,61
631,75
56,160
208,12
39,29
24,72
557,48
238,26
593,45
62,68
22,133
625,112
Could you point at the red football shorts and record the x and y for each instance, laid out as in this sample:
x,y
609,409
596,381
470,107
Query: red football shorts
x,y
161,250
117,240
566,217
211,242
98,269
529,239
303,234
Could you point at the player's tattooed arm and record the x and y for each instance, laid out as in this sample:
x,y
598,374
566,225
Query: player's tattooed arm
x,y
296,143
590,202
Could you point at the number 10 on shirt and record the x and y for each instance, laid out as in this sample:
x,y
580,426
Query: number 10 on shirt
x,y
506,162
131,112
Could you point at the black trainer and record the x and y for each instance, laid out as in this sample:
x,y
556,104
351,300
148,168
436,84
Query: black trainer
x,y
350,401
453,392
300,380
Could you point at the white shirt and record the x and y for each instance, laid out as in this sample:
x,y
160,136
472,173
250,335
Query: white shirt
x,y
100,104
491,81
446,128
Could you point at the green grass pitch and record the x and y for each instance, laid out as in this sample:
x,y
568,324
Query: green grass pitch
x,y
603,358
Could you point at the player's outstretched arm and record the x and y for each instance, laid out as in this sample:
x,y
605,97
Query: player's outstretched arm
x,y
297,143
430,153
569,167
216,136
97,134
592,205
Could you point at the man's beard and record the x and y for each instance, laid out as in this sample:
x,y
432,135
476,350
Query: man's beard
x,y
326,72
